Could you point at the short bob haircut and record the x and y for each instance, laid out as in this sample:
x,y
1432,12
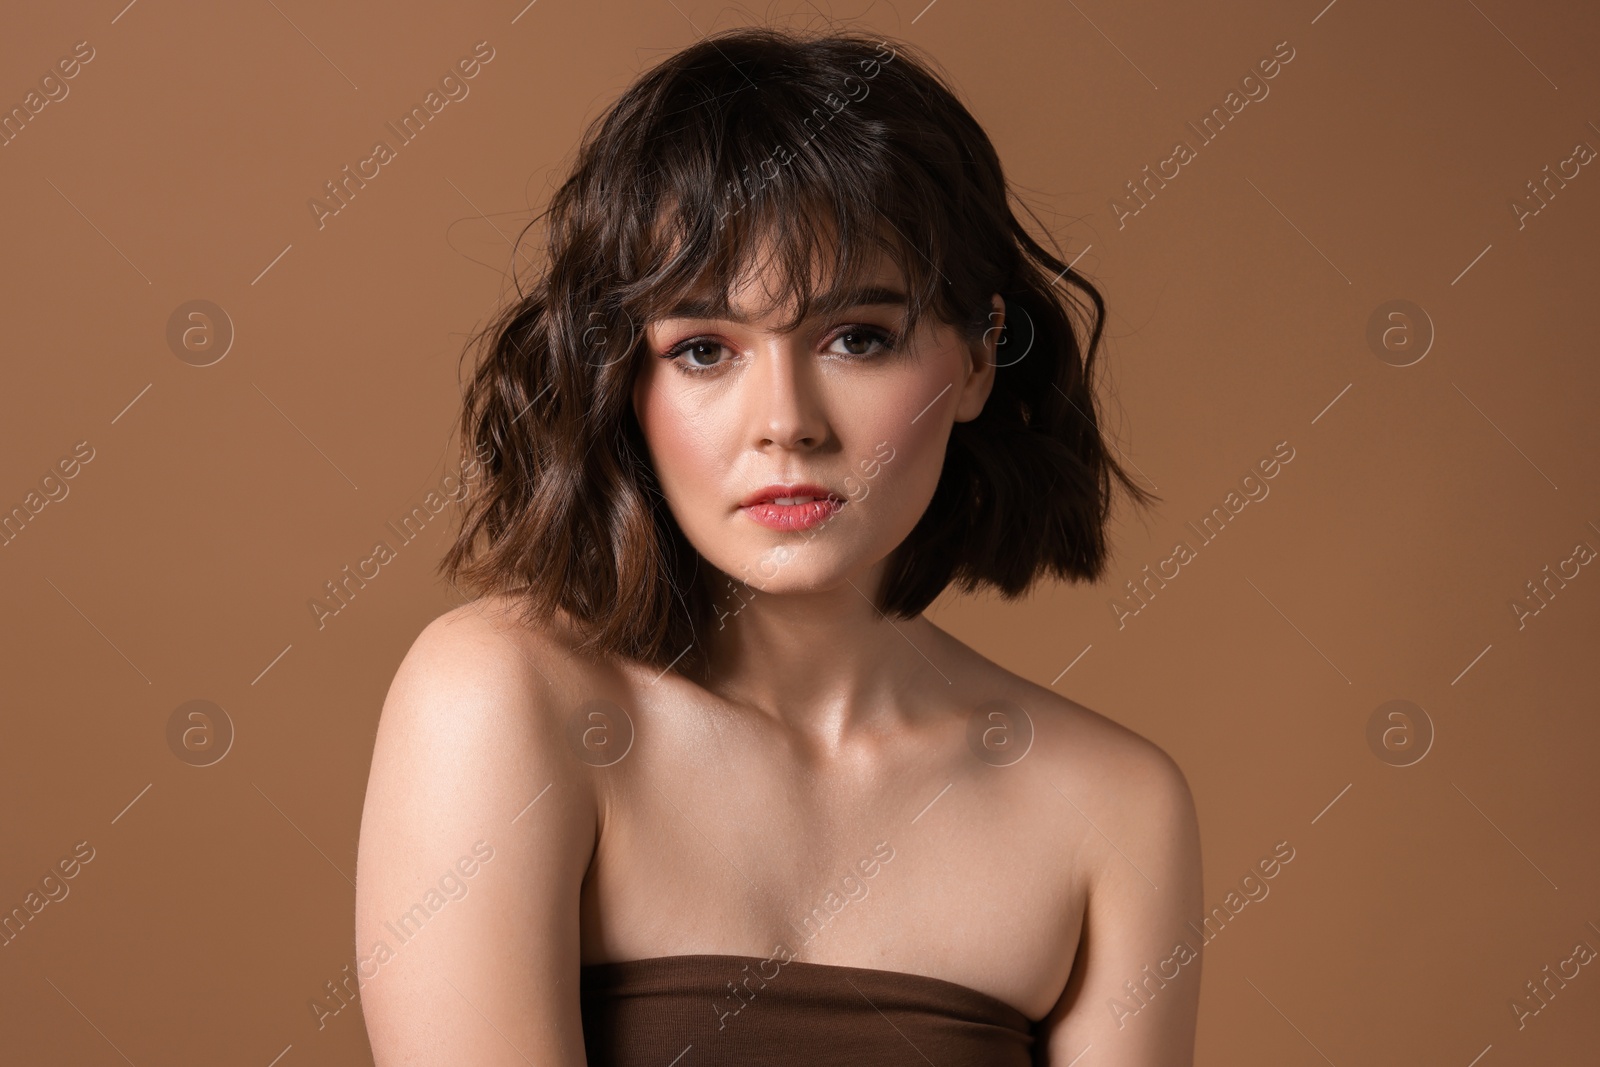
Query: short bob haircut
x,y
810,141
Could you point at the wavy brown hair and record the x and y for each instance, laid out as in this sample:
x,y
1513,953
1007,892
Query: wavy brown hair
x,y
808,145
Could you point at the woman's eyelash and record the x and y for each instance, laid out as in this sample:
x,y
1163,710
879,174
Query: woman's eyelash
x,y
885,339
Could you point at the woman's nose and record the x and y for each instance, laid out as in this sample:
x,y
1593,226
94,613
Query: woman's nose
x,y
786,407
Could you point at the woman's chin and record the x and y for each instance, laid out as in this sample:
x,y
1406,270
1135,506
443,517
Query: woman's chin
x,y
798,575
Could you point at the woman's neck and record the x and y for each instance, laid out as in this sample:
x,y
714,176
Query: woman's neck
x,y
826,664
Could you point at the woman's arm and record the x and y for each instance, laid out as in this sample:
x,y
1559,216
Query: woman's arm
x,y
466,896
1134,993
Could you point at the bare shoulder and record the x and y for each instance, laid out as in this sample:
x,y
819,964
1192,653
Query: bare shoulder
x,y
486,643
473,721
475,809
1138,869
474,715
1103,754
1093,759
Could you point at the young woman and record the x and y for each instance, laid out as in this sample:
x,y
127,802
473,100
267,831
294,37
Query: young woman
x,y
694,781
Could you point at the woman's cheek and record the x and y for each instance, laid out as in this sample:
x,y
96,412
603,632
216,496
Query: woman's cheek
x,y
921,427
680,453
900,461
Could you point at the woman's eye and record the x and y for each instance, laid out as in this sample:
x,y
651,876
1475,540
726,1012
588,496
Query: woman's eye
x,y
703,355
689,355
859,342
702,349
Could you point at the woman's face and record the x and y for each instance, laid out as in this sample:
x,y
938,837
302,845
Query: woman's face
x,y
845,408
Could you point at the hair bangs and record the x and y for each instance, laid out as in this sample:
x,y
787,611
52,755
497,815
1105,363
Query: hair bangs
x,y
731,201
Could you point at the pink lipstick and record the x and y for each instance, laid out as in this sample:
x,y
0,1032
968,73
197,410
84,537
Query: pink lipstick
x,y
792,507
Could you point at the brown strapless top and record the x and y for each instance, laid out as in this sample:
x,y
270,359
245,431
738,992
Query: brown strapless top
x,y
707,1010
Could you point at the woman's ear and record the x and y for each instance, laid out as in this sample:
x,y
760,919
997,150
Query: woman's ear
x,y
980,364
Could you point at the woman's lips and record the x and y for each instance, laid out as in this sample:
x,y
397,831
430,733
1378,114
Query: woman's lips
x,y
792,505
794,516
786,491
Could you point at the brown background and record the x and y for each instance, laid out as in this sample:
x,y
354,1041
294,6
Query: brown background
x,y
1382,566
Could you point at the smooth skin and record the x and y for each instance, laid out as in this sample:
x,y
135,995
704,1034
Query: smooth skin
x,y
738,804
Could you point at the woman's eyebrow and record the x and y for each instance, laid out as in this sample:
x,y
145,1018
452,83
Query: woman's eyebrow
x,y
860,296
